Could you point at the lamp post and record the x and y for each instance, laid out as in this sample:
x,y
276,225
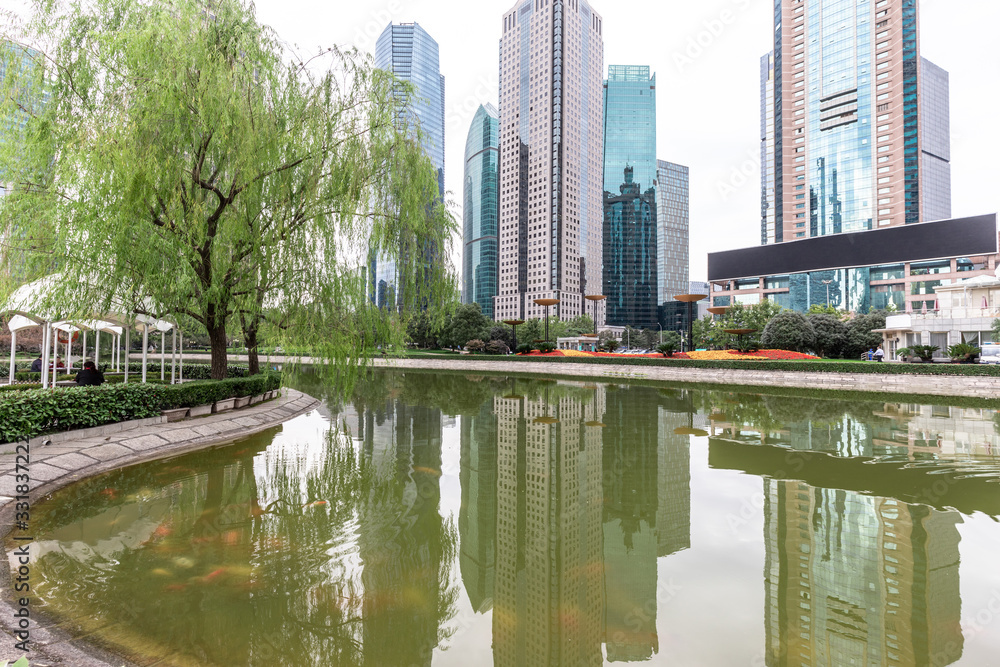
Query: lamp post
x,y
595,298
513,325
546,303
661,332
827,283
690,299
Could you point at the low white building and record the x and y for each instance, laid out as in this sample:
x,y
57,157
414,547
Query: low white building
x,y
964,314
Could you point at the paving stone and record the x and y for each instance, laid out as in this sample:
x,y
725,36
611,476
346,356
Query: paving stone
x,y
73,461
143,442
107,452
180,435
247,422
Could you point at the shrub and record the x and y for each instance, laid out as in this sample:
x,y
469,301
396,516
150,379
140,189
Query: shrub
x,y
925,352
546,347
666,349
497,347
525,348
860,337
963,353
831,334
191,371
475,345
190,394
789,330
610,345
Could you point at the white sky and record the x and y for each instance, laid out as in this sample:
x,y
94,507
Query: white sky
x,y
706,57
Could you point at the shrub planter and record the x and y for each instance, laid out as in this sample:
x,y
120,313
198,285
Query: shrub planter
x,y
200,410
241,402
224,405
175,415
259,398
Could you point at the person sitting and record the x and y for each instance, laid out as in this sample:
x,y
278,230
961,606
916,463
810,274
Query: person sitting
x,y
36,365
59,363
89,376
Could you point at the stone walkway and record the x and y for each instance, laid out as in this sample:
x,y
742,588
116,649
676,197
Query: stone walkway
x,y
69,460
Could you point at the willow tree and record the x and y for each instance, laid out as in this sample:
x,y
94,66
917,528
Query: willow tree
x,y
183,157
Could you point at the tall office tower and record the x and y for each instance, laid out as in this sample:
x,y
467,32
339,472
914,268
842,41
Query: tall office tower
x,y
479,216
477,518
673,240
630,226
549,595
551,158
854,129
854,579
411,55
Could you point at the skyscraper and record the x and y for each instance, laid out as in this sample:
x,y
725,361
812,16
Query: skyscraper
x,y
411,54
630,227
673,238
551,157
854,124
479,256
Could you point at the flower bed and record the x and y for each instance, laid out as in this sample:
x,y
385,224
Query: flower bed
x,y
710,355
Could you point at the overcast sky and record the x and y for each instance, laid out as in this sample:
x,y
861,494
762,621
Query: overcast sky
x,y
705,54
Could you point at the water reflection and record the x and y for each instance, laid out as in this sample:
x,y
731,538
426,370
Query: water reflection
x,y
339,548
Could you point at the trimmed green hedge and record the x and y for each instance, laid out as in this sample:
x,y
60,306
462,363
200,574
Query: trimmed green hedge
x,y
191,371
190,394
872,368
27,411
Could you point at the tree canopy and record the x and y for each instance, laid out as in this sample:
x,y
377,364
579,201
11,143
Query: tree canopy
x,y
186,162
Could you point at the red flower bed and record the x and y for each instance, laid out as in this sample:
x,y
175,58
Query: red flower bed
x,y
771,355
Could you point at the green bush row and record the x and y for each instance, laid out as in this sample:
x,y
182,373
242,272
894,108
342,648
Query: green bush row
x,y
190,394
759,365
191,371
27,411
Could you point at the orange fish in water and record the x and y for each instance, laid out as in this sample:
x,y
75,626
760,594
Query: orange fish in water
x,y
162,530
429,471
211,576
110,493
315,504
231,538
175,587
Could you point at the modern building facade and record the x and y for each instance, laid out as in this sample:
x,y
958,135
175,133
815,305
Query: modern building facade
x,y
673,238
551,158
854,123
406,50
896,268
480,211
630,268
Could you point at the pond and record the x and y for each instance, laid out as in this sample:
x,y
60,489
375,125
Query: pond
x,y
437,519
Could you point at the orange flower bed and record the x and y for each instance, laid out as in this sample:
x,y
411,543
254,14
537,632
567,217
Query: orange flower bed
x,y
706,355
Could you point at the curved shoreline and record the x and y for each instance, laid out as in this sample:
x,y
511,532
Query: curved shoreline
x,y
59,465
931,385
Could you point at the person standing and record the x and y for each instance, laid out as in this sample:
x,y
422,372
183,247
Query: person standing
x,y
879,353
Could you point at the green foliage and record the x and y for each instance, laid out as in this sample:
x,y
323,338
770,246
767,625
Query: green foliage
x,y
420,331
789,330
924,352
502,332
996,329
546,346
860,337
191,371
466,324
203,165
577,326
671,343
820,309
609,345
21,662
525,348
28,413
831,334
497,347
204,392
475,345
963,353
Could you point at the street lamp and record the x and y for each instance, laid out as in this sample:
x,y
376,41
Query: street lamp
x,y
661,332
827,283
690,299
595,298
513,325
546,303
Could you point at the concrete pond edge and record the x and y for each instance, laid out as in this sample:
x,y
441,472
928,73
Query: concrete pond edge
x,y
50,643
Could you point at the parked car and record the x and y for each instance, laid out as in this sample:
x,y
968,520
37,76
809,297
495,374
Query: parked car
x,y
990,354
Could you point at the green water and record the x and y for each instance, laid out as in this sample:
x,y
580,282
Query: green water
x,y
474,520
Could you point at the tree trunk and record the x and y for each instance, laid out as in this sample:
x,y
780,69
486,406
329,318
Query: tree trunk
x,y
220,358
250,333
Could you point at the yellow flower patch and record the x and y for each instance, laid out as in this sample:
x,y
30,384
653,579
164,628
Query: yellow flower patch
x,y
576,353
721,355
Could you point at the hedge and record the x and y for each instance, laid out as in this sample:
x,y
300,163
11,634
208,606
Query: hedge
x,y
872,368
28,411
191,371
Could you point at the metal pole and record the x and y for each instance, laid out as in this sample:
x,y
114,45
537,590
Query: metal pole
x,y
13,357
55,356
661,332
45,355
69,351
128,346
145,349
83,350
180,371
163,355
97,349
546,324
173,357
690,341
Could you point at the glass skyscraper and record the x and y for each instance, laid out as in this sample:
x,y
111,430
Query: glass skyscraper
x,y
673,237
480,211
854,124
411,54
630,279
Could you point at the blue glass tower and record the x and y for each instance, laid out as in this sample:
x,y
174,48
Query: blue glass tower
x,y
411,55
630,173
480,213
